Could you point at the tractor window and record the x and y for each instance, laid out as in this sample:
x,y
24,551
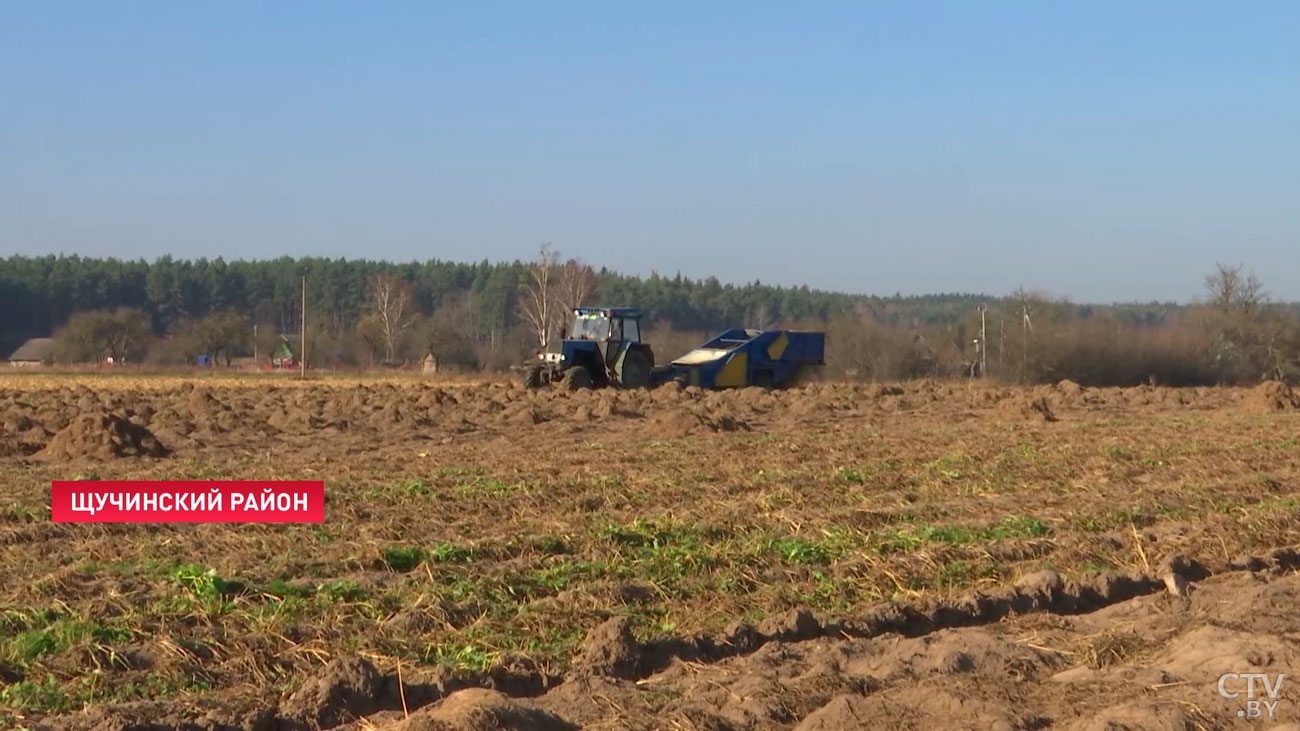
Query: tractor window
x,y
590,327
632,331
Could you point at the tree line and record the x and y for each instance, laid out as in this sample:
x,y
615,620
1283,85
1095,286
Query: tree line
x,y
492,315
466,312
1234,334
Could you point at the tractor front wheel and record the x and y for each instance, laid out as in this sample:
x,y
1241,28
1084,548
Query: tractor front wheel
x,y
533,377
576,378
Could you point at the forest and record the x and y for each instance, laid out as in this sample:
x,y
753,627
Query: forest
x,y
485,315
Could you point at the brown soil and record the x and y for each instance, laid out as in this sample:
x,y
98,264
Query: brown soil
x,y
102,436
478,709
347,688
1045,653
1272,396
1035,408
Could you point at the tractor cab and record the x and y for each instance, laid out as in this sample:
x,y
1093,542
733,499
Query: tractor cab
x,y
615,324
600,341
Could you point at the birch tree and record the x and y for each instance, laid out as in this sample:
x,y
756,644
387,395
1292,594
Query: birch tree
x,y
537,307
577,284
394,307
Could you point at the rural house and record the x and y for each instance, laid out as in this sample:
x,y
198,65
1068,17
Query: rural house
x,y
34,352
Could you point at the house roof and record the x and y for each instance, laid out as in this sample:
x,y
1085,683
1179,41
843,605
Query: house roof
x,y
36,349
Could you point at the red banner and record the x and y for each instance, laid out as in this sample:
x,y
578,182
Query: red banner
x,y
197,501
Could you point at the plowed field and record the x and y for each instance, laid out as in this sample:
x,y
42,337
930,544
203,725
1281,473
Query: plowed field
x,y
917,555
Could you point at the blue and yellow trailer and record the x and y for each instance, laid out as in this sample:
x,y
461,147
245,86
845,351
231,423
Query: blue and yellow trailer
x,y
734,358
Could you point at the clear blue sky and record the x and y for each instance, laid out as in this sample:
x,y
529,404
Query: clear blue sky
x,y
1100,150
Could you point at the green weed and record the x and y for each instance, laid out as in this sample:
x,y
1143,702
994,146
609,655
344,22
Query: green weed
x,y
1117,518
46,695
343,590
417,488
403,558
281,589
800,551
446,552
59,635
460,657
852,477
1012,526
203,583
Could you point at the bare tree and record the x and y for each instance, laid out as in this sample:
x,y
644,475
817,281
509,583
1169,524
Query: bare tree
x,y
449,333
96,336
394,306
539,303
577,284
1233,290
370,338
1243,347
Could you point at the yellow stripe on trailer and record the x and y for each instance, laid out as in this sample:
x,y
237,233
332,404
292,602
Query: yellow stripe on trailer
x,y
735,372
777,348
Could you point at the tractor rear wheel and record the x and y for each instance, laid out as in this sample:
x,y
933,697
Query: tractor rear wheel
x,y
533,377
635,369
576,378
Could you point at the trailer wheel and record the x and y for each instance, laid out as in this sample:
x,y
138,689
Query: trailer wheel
x,y
576,378
801,376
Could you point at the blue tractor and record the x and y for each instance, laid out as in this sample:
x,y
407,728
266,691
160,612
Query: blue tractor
x,y
604,348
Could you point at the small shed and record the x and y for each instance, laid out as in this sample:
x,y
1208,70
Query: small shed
x,y
34,352
282,355
429,365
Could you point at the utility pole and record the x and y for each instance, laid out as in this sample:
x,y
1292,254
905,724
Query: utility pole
x,y
255,344
302,332
1002,337
984,343
1026,327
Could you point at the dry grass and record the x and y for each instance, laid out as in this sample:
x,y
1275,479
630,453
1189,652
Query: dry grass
x,y
1112,648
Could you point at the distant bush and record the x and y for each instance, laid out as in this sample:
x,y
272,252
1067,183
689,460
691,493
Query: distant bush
x,y
1034,340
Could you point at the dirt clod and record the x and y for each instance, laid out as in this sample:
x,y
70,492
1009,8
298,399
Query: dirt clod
x,y
1272,396
1032,408
345,689
479,709
102,436
794,625
610,649
1044,586
739,637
